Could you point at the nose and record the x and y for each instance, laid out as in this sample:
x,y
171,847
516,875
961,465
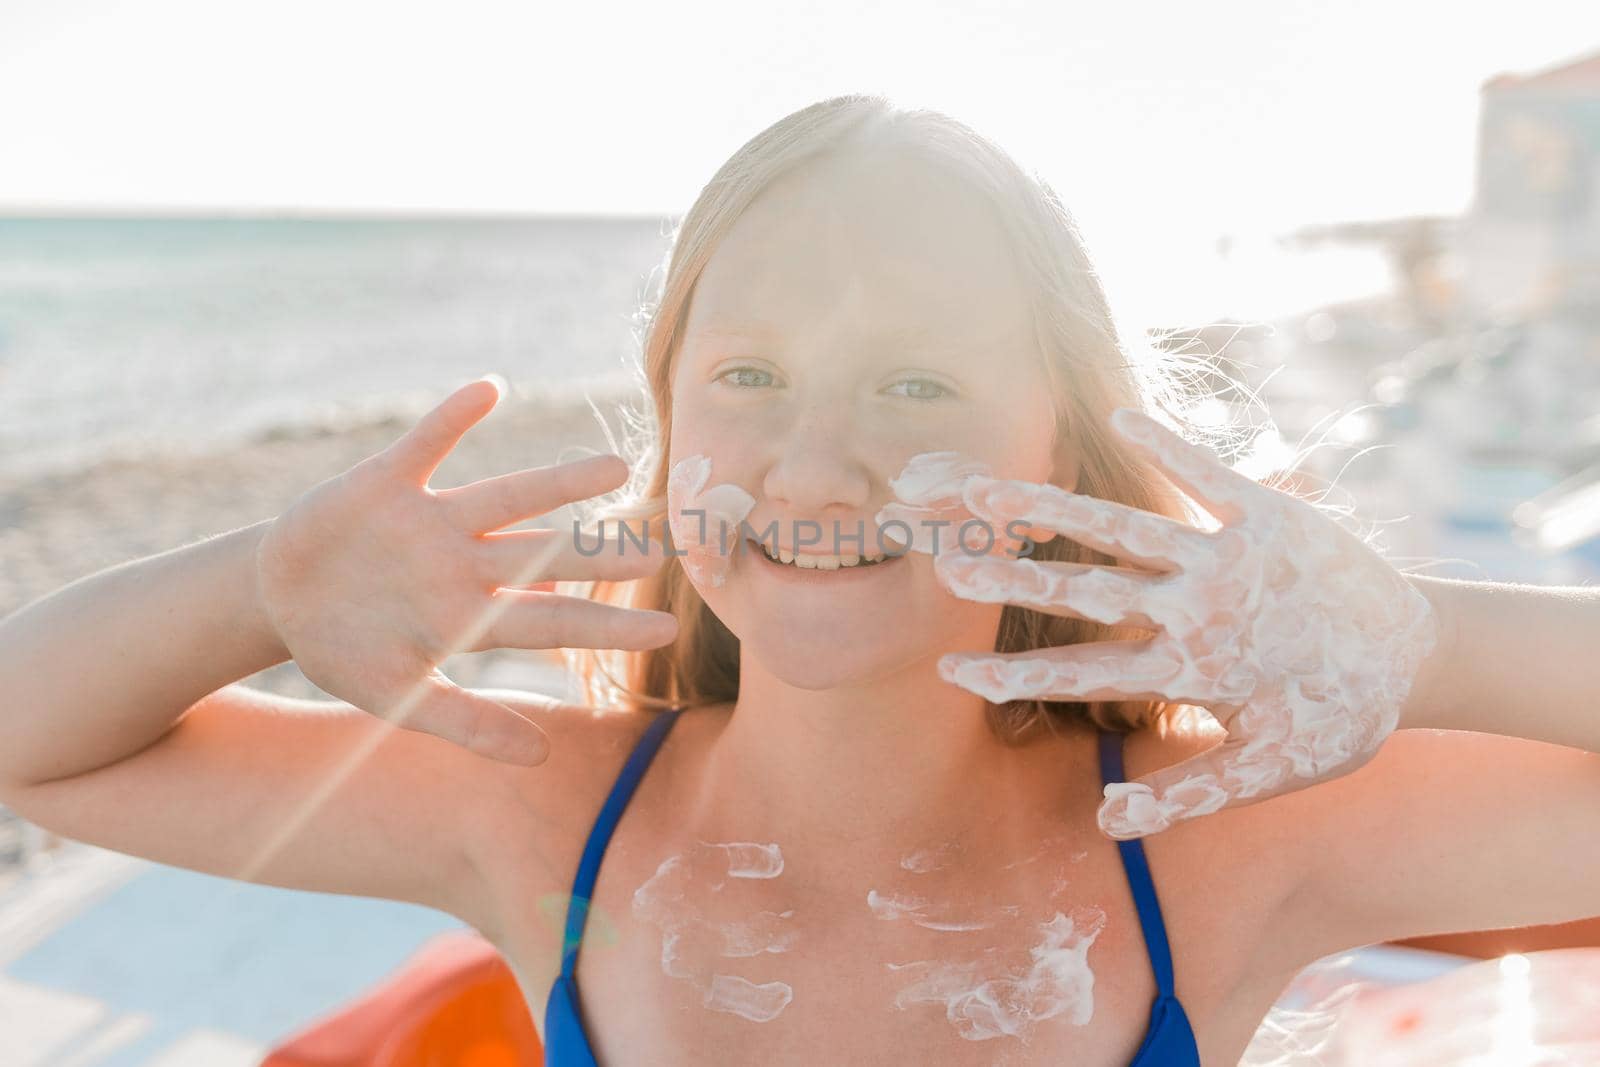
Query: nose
x,y
817,469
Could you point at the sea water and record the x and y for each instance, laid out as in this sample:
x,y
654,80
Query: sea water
x,y
123,334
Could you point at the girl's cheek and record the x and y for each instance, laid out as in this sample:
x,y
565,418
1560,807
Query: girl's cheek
x,y
704,516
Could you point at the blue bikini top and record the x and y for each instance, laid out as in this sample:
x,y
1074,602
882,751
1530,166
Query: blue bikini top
x,y
1168,1040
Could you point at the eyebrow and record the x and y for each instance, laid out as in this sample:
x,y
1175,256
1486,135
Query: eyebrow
x,y
756,330
762,331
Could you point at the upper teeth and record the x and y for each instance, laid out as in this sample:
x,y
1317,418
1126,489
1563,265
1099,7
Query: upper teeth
x,y
824,563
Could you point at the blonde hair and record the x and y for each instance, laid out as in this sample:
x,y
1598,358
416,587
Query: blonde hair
x,y
1090,370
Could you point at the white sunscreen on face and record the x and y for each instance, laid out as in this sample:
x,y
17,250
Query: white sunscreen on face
x,y
693,899
928,502
704,521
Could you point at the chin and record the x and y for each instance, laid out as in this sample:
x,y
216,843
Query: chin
x,y
818,649
815,675
816,656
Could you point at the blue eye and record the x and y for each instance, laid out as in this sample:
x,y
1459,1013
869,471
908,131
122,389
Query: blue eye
x,y
742,370
942,391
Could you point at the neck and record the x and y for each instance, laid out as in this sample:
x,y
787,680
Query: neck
x,y
904,763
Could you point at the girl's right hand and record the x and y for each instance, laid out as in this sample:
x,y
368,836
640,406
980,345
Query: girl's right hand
x,y
371,580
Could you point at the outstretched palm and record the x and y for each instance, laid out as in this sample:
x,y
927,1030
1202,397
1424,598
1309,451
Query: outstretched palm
x,y
1301,640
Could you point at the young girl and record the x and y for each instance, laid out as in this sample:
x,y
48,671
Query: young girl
x,y
888,798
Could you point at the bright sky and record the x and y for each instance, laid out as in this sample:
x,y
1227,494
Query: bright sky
x,y
1151,118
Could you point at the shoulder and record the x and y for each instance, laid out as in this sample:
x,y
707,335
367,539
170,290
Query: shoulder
x,y
1223,880
531,823
1440,831
1444,831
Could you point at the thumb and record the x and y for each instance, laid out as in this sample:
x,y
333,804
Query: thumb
x,y
1229,774
477,723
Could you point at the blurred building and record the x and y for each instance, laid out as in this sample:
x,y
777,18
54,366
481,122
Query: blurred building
x,y
1531,245
1484,361
1528,252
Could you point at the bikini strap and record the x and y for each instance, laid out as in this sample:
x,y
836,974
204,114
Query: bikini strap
x,y
600,834
1138,871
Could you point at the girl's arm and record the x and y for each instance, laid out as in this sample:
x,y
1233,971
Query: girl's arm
x,y
1482,812
120,725
1522,661
103,667
1311,652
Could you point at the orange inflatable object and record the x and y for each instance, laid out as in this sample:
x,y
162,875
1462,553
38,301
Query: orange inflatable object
x,y
1489,944
454,1003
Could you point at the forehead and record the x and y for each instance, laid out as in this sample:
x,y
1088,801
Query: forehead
x,y
884,247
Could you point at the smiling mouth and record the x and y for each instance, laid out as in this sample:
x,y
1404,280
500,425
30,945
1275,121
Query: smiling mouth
x,y
810,562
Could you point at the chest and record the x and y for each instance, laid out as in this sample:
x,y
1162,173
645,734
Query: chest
x,y
1043,961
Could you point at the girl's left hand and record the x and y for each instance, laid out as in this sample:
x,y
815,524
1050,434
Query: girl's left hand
x,y
1300,640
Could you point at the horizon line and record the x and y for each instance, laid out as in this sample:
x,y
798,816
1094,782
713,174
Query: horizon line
x,y
317,213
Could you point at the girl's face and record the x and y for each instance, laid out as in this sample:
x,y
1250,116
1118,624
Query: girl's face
x,y
857,314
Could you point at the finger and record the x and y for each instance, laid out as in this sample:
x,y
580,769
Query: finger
x,y
1095,670
1238,772
491,503
903,528
439,707
927,510
1037,534
1118,530
1224,492
529,619
522,558
936,530
1073,590
418,453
